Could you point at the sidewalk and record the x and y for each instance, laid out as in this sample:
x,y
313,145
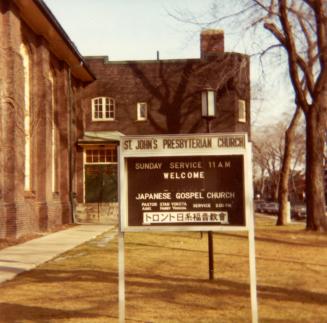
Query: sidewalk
x,y
28,255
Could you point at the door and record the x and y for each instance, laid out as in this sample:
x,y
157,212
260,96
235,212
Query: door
x,y
101,183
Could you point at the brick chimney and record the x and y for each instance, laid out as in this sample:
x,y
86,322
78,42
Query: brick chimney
x,y
212,42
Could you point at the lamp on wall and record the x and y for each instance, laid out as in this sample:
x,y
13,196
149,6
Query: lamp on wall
x,y
208,96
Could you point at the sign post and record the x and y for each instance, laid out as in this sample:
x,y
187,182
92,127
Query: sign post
x,y
121,276
199,182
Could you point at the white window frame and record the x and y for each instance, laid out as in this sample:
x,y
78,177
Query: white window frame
x,y
241,111
105,106
141,105
109,155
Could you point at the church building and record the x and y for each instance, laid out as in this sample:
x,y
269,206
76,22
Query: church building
x,y
62,115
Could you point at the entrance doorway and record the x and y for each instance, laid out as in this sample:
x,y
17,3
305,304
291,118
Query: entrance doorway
x,y
101,183
100,174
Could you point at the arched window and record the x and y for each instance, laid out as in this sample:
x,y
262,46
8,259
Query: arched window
x,y
53,133
27,117
103,109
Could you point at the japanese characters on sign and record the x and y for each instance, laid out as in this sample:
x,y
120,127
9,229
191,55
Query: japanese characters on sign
x,y
183,181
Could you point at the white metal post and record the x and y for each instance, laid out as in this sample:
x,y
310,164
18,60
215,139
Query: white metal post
x,y
253,278
121,276
121,243
251,236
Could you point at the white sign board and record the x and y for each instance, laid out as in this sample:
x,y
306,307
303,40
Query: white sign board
x,y
196,182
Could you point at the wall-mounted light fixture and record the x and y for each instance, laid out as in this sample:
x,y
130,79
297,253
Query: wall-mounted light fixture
x,y
209,113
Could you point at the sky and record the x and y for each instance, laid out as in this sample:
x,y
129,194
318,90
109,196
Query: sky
x,y
137,29
129,29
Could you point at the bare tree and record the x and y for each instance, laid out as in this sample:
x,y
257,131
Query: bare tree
x,y
300,28
269,157
283,188
268,144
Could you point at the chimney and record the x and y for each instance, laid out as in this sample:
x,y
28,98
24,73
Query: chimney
x,y
212,42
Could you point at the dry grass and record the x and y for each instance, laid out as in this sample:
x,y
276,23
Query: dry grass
x,y
166,280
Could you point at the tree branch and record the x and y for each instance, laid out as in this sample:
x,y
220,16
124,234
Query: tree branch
x,y
287,39
308,67
310,3
321,22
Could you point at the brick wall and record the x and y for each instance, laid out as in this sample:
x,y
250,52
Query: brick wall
x,y
40,208
211,42
172,89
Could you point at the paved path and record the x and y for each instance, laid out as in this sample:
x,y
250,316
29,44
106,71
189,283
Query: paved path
x,y
28,255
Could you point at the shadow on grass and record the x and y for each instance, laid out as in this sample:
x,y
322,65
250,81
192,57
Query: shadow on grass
x,y
148,285
244,236
186,292
170,288
295,243
164,247
292,261
16,313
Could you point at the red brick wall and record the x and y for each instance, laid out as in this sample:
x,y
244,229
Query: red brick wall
x,y
39,209
172,90
211,42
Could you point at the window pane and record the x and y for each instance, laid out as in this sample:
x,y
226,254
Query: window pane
x,y
114,158
103,108
97,108
111,155
241,111
141,111
102,156
88,156
106,155
109,109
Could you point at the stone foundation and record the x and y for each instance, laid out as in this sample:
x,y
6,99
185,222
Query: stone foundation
x,y
102,213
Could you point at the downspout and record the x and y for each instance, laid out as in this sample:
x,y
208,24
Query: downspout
x,y
72,194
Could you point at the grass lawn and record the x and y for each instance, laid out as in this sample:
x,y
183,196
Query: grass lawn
x,y
166,280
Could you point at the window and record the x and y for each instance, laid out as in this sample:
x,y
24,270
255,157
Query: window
x,y
241,111
101,155
142,111
27,128
53,134
103,108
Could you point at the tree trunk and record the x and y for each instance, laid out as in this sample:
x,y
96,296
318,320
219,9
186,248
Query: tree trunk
x,y
315,136
276,187
283,192
262,184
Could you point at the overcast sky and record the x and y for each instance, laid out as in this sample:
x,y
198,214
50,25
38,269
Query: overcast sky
x,y
137,29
